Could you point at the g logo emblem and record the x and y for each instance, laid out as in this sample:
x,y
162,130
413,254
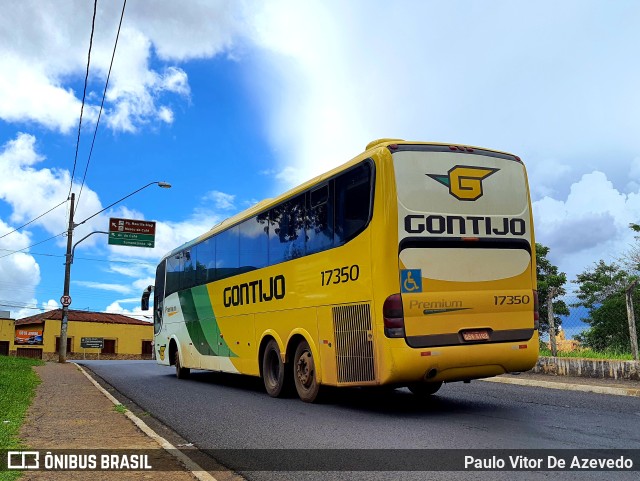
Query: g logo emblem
x,y
464,182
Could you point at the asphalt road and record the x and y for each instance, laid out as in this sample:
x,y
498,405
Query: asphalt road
x,y
218,411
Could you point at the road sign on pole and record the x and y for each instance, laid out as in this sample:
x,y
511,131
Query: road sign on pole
x,y
130,232
65,301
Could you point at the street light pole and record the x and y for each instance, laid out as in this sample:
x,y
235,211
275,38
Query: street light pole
x,y
65,300
62,353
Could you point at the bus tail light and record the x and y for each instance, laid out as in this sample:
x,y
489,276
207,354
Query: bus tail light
x,y
393,315
536,311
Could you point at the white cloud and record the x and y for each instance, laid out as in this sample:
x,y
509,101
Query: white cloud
x,y
189,30
133,269
129,300
31,191
105,287
591,223
136,312
165,114
221,200
174,80
26,94
141,284
329,84
45,45
50,305
19,273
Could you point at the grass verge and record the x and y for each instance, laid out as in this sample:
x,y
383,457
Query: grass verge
x,y
18,384
590,354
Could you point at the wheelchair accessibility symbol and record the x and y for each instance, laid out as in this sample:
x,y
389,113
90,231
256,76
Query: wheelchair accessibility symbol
x,y
411,280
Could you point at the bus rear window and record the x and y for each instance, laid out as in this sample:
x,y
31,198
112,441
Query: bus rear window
x,y
353,202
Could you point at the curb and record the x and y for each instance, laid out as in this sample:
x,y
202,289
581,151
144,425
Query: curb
x,y
190,465
616,391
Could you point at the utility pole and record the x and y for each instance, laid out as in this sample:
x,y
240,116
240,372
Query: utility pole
x,y
631,318
62,353
552,321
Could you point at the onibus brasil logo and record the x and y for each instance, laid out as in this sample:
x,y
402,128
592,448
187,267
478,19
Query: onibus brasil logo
x,y
464,181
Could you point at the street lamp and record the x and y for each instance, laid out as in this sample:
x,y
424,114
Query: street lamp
x,y
62,351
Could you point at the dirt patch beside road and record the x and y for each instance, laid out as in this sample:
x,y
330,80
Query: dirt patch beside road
x,y
68,412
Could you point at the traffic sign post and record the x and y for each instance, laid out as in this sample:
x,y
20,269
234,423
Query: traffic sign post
x,y
130,232
92,342
65,301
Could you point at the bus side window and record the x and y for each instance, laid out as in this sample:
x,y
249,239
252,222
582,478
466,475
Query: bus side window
x,y
228,253
254,244
319,226
353,202
174,272
206,262
286,230
189,268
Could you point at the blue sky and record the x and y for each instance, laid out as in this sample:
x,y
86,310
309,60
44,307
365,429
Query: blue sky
x,y
234,101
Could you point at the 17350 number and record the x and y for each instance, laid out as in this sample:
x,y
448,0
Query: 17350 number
x,y
510,300
340,275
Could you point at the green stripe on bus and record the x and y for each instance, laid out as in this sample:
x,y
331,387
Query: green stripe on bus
x,y
202,324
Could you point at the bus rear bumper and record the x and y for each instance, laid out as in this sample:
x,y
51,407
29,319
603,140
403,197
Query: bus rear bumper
x,y
460,363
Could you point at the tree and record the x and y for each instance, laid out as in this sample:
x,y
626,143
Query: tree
x,y
548,276
602,291
631,258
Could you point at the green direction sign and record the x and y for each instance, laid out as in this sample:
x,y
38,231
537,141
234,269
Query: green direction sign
x,y
128,239
131,232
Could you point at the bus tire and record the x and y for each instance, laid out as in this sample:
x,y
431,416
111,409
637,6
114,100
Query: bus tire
x,y
181,372
304,373
273,370
425,389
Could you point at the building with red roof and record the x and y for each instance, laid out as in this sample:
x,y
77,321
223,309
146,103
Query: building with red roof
x,y
90,335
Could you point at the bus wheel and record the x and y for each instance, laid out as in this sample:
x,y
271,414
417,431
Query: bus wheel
x,y
273,373
424,389
304,373
181,372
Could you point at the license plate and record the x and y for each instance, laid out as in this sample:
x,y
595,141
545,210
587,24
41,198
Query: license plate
x,y
475,335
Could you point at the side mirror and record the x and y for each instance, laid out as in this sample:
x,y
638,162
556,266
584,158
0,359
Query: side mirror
x,y
144,302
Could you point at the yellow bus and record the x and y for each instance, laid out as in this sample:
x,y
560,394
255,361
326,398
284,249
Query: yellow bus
x,y
413,264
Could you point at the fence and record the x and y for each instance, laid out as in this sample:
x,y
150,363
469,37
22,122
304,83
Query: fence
x,y
566,325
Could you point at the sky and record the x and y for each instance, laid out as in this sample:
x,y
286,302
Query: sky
x,y
232,101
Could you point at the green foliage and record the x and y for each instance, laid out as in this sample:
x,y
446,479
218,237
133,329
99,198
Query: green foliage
x,y
18,383
600,283
602,291
548,277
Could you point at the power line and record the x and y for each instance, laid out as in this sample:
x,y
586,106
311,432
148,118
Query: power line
x,y
20,306
104,94
112,261
84,94
33,220
33,245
